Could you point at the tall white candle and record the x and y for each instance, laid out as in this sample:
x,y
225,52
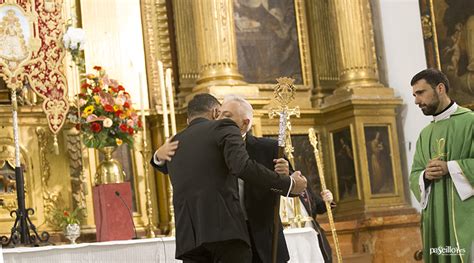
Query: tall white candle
x,y
142,105
169,87
163,99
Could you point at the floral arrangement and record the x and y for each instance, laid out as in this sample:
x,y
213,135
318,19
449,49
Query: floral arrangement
x,y
62,217
106,116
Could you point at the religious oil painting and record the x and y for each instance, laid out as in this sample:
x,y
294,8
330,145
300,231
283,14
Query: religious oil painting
x,y
344,161
267,40
15,35
305,161
379,159
448,29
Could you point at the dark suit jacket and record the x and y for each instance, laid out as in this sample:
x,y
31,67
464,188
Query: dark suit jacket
x,y
204,170
259,202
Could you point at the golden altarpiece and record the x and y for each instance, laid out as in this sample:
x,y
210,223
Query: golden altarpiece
x,y
241,47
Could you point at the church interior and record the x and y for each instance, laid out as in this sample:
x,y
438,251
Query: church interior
x,y
349,63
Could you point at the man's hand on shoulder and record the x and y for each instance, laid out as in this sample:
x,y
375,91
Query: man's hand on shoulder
x,y
167,150
299,183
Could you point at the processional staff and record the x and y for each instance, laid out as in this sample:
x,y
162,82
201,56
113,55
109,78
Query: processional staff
x,y
319,164
284,93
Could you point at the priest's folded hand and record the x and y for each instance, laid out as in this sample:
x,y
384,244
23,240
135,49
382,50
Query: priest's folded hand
x,y
299,184
436,169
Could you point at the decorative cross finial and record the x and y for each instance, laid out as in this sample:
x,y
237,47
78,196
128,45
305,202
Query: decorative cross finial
x,y
284,93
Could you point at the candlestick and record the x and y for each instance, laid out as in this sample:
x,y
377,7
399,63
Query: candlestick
x,y
146,156
163,99
169,87
142,105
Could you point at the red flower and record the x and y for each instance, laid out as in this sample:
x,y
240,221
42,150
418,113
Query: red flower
x,y
85,85
96,127
123,127
120,87
139,123
82,95
78,126
118,112
96,90
130,130
66,213
126,105
108,108
98,68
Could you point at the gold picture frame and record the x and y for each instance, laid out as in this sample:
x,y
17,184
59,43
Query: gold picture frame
x,y
379,159
296,23
263,31
343,158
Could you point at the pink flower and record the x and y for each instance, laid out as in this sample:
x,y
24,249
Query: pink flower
x,y
134,117
94,118
120,100
82,102
91,118
114,83
109,82
106,99
130,123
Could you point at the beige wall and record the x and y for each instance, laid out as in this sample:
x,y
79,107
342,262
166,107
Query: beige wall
x,y
115,42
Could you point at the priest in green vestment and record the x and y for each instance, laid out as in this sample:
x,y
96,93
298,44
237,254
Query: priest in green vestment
x,y
442,175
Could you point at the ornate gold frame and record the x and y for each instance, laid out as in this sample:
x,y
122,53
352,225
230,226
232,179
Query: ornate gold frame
x,y
304,47
332,160
365,161
43,66
33,45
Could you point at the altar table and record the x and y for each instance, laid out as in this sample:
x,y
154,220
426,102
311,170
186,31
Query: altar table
x,y
302,245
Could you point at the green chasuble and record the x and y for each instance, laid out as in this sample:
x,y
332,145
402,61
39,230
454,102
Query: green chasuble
x,y
447,220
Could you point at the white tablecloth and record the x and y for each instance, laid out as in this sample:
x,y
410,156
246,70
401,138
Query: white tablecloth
x,y
302,245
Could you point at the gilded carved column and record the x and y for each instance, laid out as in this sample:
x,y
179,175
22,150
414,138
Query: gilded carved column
x,y
216,44
323,50
363,109
355,40
186,44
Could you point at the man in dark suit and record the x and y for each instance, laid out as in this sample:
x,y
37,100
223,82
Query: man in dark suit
x,y
210,225
314,204
258,202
